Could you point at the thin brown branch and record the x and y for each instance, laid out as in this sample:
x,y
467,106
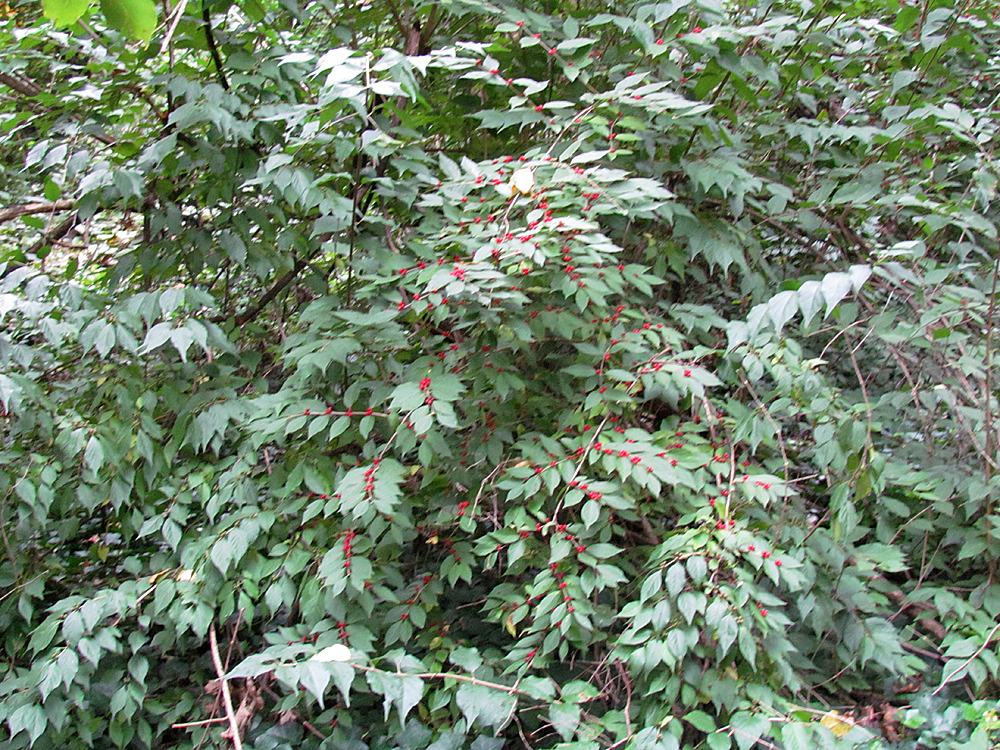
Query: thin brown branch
x,y
988,385
21,86
26,209
203,722
449,676
227,698
54,235
313,730
268,296
397,18
206,16
968,661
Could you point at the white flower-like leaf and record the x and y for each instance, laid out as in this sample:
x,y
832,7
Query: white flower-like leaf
x,y
336,652
522,181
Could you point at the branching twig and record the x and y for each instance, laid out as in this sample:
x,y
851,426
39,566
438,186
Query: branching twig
x,y
173,26
227,698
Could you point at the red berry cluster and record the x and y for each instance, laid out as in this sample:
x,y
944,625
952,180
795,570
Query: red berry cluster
x,y
450,546
622,453
418,588
348,540
764,554
321,496
370,477
585,488
560,577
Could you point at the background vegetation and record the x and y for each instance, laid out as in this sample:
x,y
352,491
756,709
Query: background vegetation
x,y
601,375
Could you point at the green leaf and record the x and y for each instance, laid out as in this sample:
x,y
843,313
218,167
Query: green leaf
x,y
315,677
134,18
64,12
69,664
781,308
343,676
94,454
810,300
726,631
29,718
797,736
222,553
834,287
883,556
747,728
407,397
676,578
485,705
701,721
565,719
602,550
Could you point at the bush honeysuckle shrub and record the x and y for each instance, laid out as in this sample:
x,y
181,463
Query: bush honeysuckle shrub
x,y
463,374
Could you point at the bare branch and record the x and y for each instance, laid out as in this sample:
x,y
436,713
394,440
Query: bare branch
x,y
21,86
27,209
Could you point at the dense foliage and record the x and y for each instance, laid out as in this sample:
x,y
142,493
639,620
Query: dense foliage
x,y
601,375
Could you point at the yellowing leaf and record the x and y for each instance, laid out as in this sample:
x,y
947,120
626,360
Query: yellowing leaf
x,y
837,724
522,181
509,625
